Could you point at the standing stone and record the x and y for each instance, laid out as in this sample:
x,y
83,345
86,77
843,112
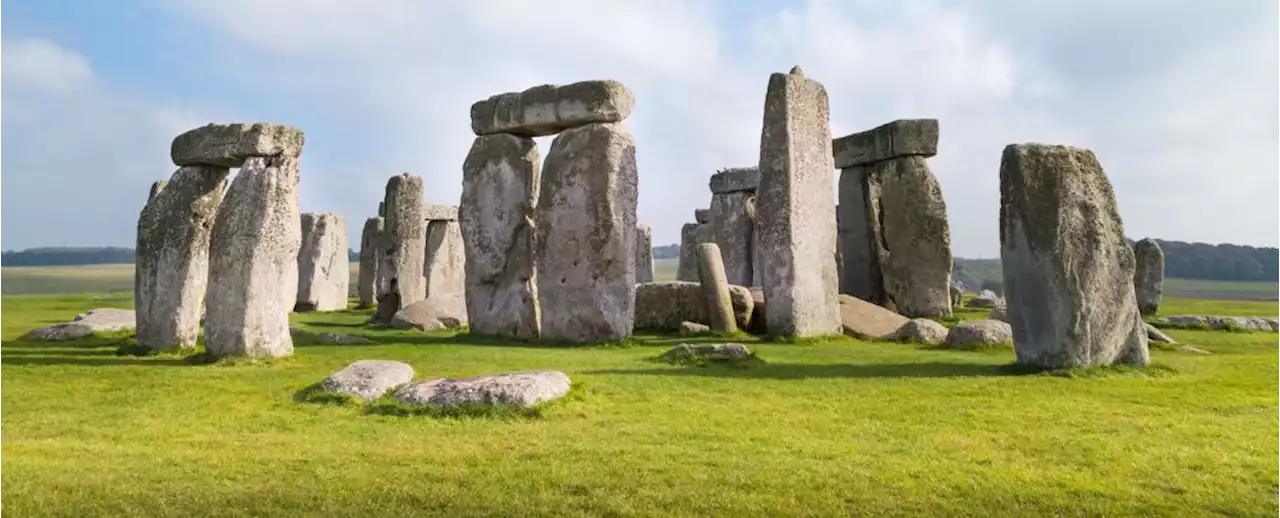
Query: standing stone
x,y
370,244
915,251
253,262
445,266
324,272
688,267
586,223
1148,280
1068,271
732,220
860,274
715,289
795,209
644,254
499,189
404,243
173,256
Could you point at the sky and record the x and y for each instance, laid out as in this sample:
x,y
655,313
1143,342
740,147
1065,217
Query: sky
x,y
1178,99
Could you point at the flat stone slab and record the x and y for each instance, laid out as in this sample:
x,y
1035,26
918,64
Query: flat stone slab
x,y
977,333
368,379
666,305
433,212
693,328
549,109
1156,335
1222,323
862,319
735,179
518,388
337,339
903,137
684,353
101,320
229,145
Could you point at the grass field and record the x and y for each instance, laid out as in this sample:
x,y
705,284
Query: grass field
x,y
833,428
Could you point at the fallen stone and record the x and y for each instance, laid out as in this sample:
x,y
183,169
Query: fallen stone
x,y
733,223
368,379
101,320
1221,323
735,179
370,243
985,299
550,109
445,263
1156,335
432,212
688,353
900,138
644,253
979,333
867,321
663,306
693,328
229,145
337,339
521,388
1148,277
922,330
432,314
324,271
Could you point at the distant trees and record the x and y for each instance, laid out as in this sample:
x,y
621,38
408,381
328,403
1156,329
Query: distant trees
x,y
64,256
666,252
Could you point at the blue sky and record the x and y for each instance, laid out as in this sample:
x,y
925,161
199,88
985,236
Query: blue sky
x,y
1178,99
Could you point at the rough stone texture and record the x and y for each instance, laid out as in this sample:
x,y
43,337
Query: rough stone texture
x,y
702,216
735,179
733,224
1000,312
900,138
156,187
715,289
1068,271
253,261
445,264
172,256
404,242
693,328
519,388
979,333
432,314
915,250
1221,323
432,212
500,180
337,339
586,223
550,109
985,299
229,145
687,268
368,379
684,353
862,319
795,209
644,253
1156,335
388,306
957,295
324,271
922,330
370,244
1148,277
663,306
860,274
101,320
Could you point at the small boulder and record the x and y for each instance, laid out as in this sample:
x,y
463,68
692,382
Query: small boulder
x,y
986,299
101,320
922,330
1221,323
368,379
1157,335
693,328
686,353
519,388
979,333
862,319
432,314
337,339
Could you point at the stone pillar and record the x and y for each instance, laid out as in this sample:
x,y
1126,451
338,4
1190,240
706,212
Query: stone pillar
x,y
644,254
732,220
586,221
404,243
688,267
446,260
1148,280
1067,277
859,251
715,289
499,189
795,209
172,270
324,272
370,242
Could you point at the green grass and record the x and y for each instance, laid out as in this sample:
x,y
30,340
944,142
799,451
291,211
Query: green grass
x,y
837,427
665,269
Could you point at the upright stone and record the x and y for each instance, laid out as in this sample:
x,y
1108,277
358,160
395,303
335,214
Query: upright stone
x,y
795,209
586,223
324,272
253,263
446,259
499,189
1068,270
370,237
1148,280
404,243
172,267
859,237
915,240
715,289
644,254
732,220
688,267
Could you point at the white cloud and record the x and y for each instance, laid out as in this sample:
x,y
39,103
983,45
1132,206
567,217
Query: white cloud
x,y
32,63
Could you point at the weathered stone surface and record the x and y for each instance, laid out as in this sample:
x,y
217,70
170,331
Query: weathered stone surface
x,y
445,264
735,179
519,388
757,323
1000,312
957,295
922,330
388,306
644,253
586,223
702,216
172,256
715,289
862,319
253,261
101,320
693,328
500,180
915,251
405,238
550,109
1221,323
229,145
795,209
432,212
900,138
686,353
368,379
432,314
687,268
338,339
985,299
1068,271
156,187
979,333
663,306
1148,278
860,274
324,271
733,223
1156,335
370,245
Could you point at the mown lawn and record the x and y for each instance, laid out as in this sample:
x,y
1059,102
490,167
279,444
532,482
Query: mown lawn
x,y
841,428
